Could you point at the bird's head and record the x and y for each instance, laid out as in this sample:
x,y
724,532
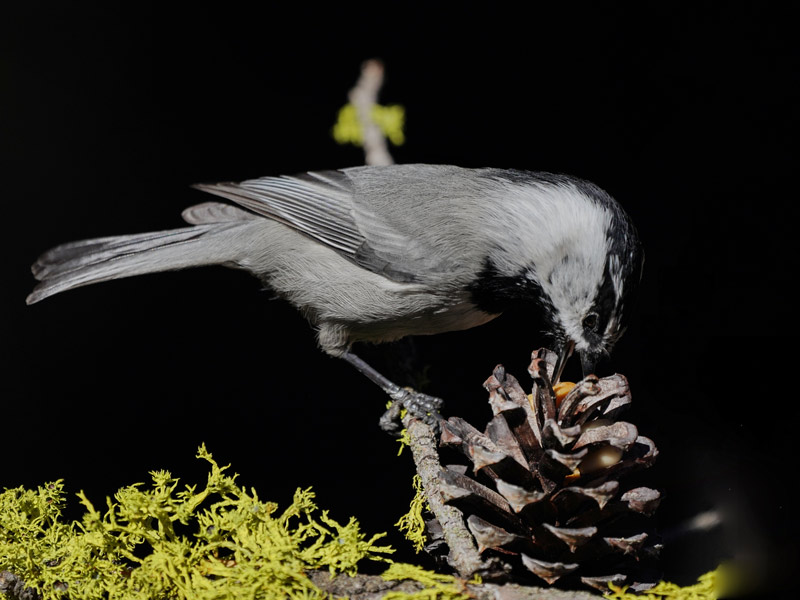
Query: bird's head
x,y
588,279
573,250
587,308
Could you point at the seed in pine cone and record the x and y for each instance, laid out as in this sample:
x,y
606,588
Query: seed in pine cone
x,y
543,487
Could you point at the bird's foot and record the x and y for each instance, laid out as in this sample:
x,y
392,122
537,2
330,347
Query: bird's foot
x,y
422,406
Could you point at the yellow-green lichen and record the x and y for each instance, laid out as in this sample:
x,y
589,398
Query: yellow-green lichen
x,y
404,440
411,524
437,585
390,120
706,588
160,541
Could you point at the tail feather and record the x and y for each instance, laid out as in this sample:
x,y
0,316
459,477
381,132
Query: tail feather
x,y
76,255
91,261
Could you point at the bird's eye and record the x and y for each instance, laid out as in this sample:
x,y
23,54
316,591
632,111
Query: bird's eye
x,y
590,321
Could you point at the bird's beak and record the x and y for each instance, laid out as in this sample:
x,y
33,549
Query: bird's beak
x,y
561,361
588,363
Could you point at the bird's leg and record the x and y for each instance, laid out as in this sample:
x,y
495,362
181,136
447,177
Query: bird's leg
x,y
420,405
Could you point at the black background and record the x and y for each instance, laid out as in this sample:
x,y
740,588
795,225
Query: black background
x,y
687,115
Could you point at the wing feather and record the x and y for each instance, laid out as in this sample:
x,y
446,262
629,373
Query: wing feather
x,y
322,206
318,205
405,222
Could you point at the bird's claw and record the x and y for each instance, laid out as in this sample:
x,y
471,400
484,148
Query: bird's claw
x,y
390,420
422,406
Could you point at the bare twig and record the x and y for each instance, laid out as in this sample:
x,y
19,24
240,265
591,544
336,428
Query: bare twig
x,y
364,96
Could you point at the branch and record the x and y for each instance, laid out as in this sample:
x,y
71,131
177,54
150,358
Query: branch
x,y
364,96
464,556
374,587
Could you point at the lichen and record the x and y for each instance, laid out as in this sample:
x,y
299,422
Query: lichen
x,y
437,586
404,440
390,119
706,588
412,524
163,541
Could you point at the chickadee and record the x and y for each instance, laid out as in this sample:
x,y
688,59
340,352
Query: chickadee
x,y
378,253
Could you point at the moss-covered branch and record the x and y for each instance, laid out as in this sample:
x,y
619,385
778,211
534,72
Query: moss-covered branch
x,y
164,540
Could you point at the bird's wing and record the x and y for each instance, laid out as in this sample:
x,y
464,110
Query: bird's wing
x,y
322,205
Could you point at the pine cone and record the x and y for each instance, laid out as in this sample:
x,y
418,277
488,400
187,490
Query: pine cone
x,y
541,492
